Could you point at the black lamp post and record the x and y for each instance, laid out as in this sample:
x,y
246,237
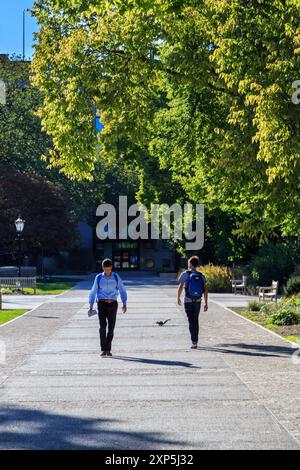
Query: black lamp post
x,y
19,223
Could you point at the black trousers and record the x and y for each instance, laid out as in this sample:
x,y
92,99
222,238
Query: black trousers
x,y
192,310
107,313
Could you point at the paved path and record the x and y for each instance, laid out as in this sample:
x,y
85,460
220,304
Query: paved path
x,y
240,389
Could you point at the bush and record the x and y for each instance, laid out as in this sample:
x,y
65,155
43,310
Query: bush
x,y
217,277
237,272
296,271
269,308
293,301
285,316
274,261
293,286
254,306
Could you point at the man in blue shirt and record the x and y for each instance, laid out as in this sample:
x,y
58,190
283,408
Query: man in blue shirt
x,y
106,289
192,306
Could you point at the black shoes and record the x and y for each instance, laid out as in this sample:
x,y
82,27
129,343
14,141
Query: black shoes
x,y
106,354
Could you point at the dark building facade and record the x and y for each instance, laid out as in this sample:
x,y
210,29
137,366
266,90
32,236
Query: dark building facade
x,y
131,255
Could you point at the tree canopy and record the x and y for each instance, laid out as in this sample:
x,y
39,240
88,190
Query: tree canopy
x,y
43,205
195,93
25,146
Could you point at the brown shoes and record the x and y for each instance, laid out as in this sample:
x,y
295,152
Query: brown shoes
x,y
108,353
103,354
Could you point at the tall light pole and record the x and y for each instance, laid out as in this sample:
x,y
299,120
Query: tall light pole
x,y
24,30
19,224
24,34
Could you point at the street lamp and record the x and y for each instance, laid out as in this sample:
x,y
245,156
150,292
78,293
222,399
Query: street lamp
x,y
19,224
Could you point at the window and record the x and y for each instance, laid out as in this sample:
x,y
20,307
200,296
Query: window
x,y
149,263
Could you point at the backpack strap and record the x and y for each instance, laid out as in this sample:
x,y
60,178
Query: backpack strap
x,y
187,281
98,280
116,279
189,271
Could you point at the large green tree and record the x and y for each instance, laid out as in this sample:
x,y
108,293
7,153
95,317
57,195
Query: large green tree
x,y
25,146
196,93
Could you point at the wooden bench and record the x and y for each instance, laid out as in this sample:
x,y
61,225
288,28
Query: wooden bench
x,y
268,292
239,284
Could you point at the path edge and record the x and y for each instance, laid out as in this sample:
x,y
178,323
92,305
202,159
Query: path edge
x,y
297,345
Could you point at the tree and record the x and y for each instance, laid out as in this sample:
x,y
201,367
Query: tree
x,y
199,90
44,207
26,146
22,141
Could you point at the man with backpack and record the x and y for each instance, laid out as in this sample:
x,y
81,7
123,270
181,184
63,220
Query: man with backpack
x,y
194,283
106,289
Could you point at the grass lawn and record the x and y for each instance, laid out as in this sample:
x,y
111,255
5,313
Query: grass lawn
x,y
53,287
7,315
46,288
290,332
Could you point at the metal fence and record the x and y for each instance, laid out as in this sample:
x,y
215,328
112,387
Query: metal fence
x,y
18,283
10,279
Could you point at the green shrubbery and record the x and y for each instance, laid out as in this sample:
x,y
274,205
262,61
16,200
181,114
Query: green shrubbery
x,y
274,261
283,313
254,306
285,316
293,286
217,277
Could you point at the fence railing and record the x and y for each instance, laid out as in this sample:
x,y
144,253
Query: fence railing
x,y
18,283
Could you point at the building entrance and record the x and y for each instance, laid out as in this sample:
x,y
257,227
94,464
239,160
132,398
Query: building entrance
x,y
125,255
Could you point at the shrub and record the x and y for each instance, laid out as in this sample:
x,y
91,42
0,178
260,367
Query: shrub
x,y
285,316
254,306
293,286
218,278
274,261
294,300
296,271
237,272
269,308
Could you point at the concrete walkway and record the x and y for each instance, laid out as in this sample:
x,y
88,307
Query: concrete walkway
x,y
239,390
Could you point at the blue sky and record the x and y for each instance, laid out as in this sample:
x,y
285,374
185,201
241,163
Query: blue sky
x,y
11,21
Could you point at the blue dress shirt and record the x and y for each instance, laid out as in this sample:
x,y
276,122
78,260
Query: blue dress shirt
x,y
106,287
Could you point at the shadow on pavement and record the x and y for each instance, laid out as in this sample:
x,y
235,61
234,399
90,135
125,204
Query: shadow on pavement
x,y
23,428
156,362
267,348
244,349
44,316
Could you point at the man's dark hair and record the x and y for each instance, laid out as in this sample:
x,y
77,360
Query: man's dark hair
x,y
194,261
106,263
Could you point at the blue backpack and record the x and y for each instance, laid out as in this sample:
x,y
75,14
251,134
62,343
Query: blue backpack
x,y
115,276
194,286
